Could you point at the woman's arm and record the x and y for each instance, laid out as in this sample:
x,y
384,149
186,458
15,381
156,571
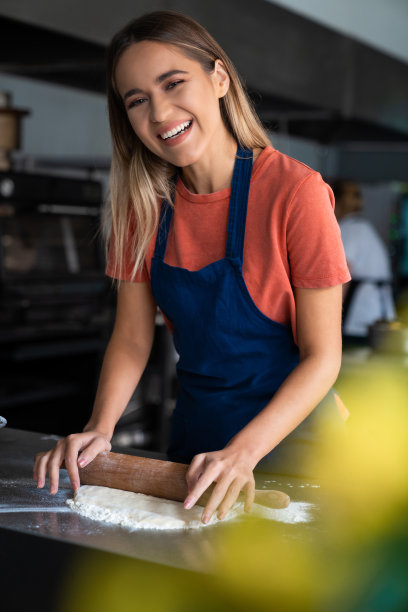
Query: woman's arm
x,y
123,365
319,339
125,357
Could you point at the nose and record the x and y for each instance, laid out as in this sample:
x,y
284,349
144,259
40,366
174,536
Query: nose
x,y
159,109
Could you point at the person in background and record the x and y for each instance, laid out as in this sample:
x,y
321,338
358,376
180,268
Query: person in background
x,y
239,247
368,297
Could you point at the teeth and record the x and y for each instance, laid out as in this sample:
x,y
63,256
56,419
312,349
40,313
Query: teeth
x,y
175,130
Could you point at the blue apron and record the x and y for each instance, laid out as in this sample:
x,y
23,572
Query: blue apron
x,y
232,358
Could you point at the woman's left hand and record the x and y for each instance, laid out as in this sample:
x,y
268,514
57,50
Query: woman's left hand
x,y
232,472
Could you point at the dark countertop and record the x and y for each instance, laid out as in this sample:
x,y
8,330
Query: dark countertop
x,y
28,510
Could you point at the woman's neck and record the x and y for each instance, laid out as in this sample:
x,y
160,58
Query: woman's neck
x,y
213,171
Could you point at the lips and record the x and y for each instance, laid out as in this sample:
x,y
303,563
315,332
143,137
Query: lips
x,y
174,129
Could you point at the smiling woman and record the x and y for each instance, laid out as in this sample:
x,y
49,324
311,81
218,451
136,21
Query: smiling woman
x,y
159,60
238,246
180,105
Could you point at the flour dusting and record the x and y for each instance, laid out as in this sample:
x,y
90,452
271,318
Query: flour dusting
x,y
296,512
139,511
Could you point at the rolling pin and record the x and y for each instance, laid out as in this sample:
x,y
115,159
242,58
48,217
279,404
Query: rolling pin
x,y
165,479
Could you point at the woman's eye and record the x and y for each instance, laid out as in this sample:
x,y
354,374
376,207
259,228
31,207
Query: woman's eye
x,y
173,84
137,102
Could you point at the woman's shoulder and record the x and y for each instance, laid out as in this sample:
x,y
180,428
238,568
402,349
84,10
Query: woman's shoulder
x,y
272,163
284,177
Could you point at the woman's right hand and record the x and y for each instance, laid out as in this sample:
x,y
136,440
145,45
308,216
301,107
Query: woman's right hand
x,y
77,450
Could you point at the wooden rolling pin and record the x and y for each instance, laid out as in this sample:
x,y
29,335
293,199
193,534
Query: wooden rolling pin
x,y
165,479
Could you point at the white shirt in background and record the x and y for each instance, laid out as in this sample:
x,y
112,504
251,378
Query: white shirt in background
x,y
368,259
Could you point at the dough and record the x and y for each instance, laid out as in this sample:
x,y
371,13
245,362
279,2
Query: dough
x,y
138,511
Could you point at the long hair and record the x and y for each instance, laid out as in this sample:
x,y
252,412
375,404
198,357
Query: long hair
x,y
139,179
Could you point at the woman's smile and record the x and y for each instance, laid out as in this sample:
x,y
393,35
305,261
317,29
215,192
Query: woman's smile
x,y
172,103
175,132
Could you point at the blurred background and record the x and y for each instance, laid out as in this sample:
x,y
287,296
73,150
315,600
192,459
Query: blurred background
x,y
330,81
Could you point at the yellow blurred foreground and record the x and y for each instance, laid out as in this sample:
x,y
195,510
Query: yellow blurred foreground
x,y
356,559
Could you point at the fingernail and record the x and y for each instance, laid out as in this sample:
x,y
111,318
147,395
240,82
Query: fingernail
x,y
75,486
52,491
221,515
82,462
40,484
188,503
206,518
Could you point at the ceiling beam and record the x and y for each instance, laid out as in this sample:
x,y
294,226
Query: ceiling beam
x,y
279,53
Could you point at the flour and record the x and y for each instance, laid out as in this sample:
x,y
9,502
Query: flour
x,y
138,511
296,512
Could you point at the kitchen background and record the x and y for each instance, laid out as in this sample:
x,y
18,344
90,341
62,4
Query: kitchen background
x,y
329,79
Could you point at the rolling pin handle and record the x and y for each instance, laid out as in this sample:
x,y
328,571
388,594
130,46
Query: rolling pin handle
x,y
272,499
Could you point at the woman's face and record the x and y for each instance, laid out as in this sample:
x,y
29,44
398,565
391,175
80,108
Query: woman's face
x,y
171,102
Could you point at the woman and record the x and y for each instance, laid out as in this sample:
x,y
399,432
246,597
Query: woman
x,y
238,246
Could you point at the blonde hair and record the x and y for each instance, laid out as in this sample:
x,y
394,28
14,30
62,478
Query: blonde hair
x,y
139,179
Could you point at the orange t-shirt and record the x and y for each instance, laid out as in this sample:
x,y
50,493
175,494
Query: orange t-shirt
x,y
291,237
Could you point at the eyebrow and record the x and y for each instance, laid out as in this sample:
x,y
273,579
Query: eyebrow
x,y
158,80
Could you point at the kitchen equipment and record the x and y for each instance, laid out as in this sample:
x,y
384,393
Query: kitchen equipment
x,y
55,308
389,337
165,479
10,119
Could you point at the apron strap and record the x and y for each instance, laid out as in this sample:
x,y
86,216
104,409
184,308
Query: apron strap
x,y
241,179
238,203
166,215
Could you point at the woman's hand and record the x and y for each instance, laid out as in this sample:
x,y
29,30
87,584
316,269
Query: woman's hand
x,y
231,470
76,450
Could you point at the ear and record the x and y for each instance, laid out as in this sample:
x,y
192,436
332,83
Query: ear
x,y
220,78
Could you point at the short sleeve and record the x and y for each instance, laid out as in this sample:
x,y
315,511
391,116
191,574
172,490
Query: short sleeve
x,y
315,250
112,267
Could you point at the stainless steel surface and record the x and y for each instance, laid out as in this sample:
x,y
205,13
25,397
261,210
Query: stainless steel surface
x,y
26,509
